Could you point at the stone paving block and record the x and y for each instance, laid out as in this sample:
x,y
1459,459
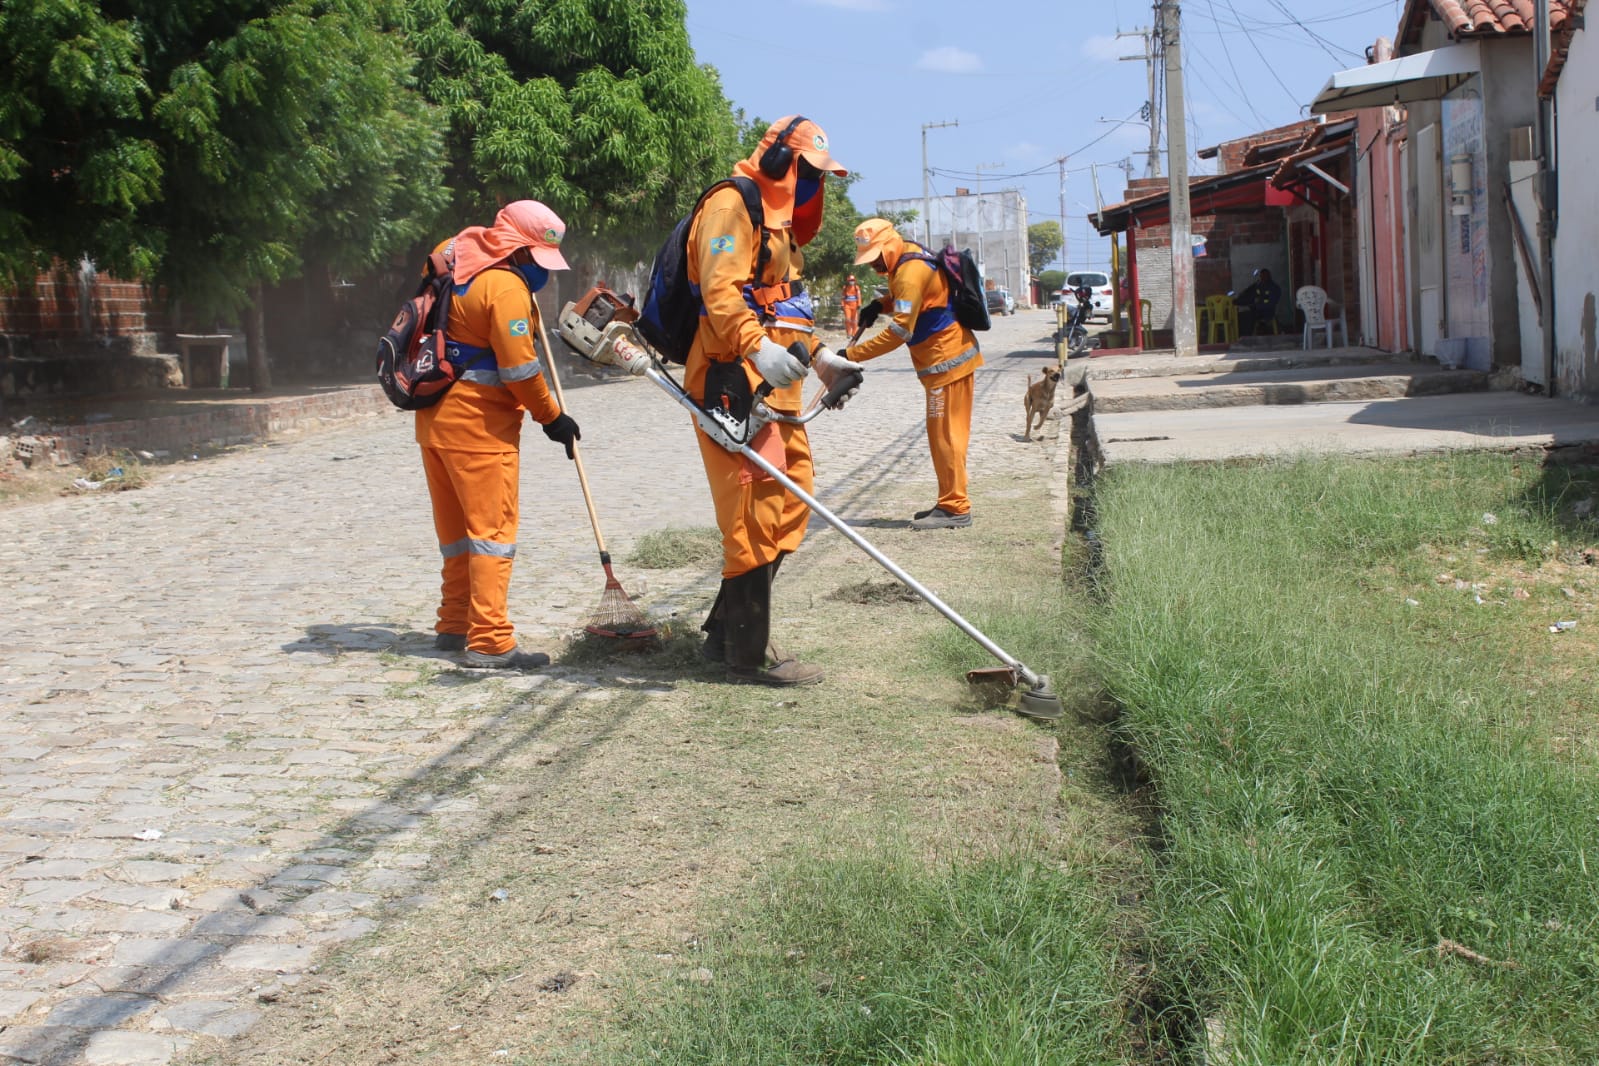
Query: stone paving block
x,y
98,1012
276,957
331,904
153,872
38,1044
166,951
119,1048
140,922
45,893
155,899
54,869
14,1002
218,1018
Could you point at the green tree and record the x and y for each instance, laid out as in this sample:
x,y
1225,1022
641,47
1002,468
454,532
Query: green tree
x,y
1044,242
1051,280
209,146
596,107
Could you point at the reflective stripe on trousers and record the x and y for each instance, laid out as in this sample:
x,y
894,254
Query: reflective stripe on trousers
x,y
475,501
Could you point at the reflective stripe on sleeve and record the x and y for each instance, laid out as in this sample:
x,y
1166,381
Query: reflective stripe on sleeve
x,y
483,377
949,364
521,373
899,331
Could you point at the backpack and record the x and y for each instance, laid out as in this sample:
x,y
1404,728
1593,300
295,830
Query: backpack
x,y
966,297
670,314
411,364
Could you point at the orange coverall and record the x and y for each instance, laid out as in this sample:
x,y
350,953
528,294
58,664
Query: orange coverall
x,y
471,441
852,308
758,518
945,363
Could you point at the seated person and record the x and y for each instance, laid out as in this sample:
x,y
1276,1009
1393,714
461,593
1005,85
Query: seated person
x,y
1257,305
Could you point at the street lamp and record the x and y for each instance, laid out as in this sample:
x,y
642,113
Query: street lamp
x,y
927,216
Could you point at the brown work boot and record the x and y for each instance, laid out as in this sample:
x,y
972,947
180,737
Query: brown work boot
x,y
779,673
746,615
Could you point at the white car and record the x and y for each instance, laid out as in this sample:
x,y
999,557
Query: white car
x,y
1099,282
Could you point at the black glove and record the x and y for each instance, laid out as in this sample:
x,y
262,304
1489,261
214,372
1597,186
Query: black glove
x,y
869,313
563,430
843,353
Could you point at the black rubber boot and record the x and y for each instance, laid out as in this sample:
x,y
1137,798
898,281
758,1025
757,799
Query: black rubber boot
x,y
714,650
747,615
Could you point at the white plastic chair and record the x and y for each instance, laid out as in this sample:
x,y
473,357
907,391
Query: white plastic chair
x,y
1312,301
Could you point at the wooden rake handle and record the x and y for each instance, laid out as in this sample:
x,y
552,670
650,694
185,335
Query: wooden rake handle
x,y
577,456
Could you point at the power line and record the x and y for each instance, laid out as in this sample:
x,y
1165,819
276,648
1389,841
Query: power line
x,y
1242,93
1264,61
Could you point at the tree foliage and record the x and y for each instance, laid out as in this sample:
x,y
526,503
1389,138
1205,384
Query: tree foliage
x,y
596,107
1044,242
209,146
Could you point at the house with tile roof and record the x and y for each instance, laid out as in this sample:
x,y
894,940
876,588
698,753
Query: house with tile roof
x,y
1571,80
1465,71
1281,200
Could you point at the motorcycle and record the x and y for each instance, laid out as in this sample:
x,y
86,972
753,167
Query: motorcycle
x,y
1077,339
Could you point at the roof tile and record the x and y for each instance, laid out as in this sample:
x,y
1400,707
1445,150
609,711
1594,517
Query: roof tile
x,y
1473,17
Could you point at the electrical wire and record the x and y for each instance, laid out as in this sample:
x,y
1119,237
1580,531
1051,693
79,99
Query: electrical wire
x,y
1242,93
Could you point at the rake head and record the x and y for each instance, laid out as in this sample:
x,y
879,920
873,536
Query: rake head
x,y
617,616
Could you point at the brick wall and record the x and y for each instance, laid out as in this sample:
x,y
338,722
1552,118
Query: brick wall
x,y
52,309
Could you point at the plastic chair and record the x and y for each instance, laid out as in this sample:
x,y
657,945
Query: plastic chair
x,y
1312,300
1223,315
1145,311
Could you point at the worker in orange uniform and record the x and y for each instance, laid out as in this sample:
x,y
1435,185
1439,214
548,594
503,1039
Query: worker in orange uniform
x,y
754,308
852,307
944,352
471,438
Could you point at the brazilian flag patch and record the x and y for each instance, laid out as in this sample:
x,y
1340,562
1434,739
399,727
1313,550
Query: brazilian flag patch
x,y
519,328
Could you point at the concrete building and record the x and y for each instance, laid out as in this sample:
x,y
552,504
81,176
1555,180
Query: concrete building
x,y
1572,80
993,225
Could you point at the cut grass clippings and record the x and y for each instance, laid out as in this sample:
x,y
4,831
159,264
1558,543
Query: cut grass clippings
x,y
1374,847
669,549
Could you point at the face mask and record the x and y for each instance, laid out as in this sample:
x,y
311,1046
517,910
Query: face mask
x,y
807,208
533,274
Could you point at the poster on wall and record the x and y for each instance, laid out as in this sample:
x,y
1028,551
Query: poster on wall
x,y
1466,268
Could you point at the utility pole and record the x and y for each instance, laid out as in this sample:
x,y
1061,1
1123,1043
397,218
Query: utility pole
x,y
1150,56
927,218
1060,161
981,268
1184,331
1547,190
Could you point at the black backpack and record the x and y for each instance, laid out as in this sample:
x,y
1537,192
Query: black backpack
x,y
411,364
966,297
671,311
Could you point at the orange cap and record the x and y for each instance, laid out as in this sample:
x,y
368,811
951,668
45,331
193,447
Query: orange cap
x,y
808,140
872,238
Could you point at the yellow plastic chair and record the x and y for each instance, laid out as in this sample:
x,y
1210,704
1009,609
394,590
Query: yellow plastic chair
x,y
1145,311
1223,314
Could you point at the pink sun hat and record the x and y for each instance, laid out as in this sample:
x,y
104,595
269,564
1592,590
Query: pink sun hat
x,y
522,224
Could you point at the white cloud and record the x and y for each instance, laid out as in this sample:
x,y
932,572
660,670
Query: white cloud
x,y
949,60
1102,47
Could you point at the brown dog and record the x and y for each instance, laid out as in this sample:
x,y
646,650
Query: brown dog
x,y
1040,398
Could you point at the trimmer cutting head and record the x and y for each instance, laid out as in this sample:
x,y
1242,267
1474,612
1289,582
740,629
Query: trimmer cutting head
x,y
1039,701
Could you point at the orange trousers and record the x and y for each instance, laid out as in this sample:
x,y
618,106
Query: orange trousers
x,y
949,431
852,321
475,514
759,519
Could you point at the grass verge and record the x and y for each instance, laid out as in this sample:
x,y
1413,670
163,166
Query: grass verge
x,y
1376,847
877,957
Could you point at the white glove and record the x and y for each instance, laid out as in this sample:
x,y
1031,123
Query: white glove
x,y
776,364
830,366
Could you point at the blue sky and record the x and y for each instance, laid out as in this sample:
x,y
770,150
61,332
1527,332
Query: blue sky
x,y
1027,80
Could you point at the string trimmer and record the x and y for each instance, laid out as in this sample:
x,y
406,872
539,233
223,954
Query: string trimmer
x,y
599,328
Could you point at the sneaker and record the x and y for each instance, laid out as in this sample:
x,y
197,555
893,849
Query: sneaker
x,y
784,673
450,642
515,659
938,518
923,514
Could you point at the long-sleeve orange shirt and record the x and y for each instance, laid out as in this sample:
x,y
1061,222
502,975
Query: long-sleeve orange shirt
x,y
915,287
482,411
723,253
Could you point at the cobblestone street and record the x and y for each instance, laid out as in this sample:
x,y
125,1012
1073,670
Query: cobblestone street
x,y
219,697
